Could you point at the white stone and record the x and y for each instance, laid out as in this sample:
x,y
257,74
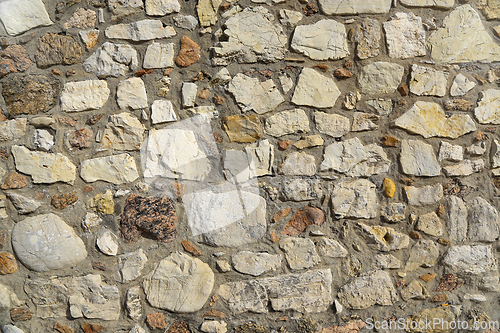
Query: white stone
x,y
426,81
418,158
19,16
91,220
473,259
208,110
299,252
11,329
253,95
477,148
45,242
355,198
299,189
290,17
424,253
323,40
223,76
426,195
162,7
463,38
213,326
354,159
380,78
384,238
255,263
12,129
475,298
133,303
43,139
162,111
315,89
237,167
309,141
287,122
487,111
261,157
286,83
131,93
464,168
405,36
444,4
189,92
385,261
331,124
179,283
123,132
44,167
393,212
140,30
107,242
331,248
116,169
112,60
430,224
130,266
188,22
8,298
449,152
364,122
298,164
483,221
159,55
461,85
383,107
23,205
351,7
84,95
414,290
457,219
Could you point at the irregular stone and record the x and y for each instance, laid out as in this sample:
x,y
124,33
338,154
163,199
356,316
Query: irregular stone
x,y
79,139
188,247
252,36
331,124
387,261
179,327
130,266
116,169
255,263
44,167
331,248
405,36
64,200
91,328
414,290
14,181
424,253
389,188
107,242
458,104
91,220
490,9
84,95
123,132
380,78
323,40
430,224
290,17
449,152
368,289
473,259
12,129
242,128
251,94
464,168
286,83
23,205
483,221
340,7
417,158
477,148
302,219
298,164
461,85
43,139
29,94
162,7
487,107
354,159
19,16
471,42
82,18
188,22
131,93
140,30
102,203
14,59
287,122
426,195
159,55
309,141
310,292
207,12
189,92
393,212
350,99
237,166
54,49
162,111
213,326
8,298
299,252
112,60
314,89
121,8
11,329
153,215
426,81
45,242
223,266
301,189
261,158
179,284
156,321
382,106
8,264
364,121
367,37
189,53
457,219
384,238
133,303
495,154
443,4
354,198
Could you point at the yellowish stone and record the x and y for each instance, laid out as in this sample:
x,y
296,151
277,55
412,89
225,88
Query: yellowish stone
x,y
389,188
102,203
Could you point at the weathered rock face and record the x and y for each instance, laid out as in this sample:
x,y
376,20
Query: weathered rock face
x,y
242,128
355,198
14,59
487,107
116,169
461,85
426,81
45,242
82,18
162,7
140,30
255,263
159,55
121,8
131,93
418,158
287,122
483,221
299,164
302,219
112,60
426,195
424,253
19,16
331,124
123,132
54,49
380,78
252,95
315,89
12,129
84,95
179,283
405,36
384,238
130,266
473,259
445,4
367,37
310,291
339,7
323,40
300,253
301,189
189,53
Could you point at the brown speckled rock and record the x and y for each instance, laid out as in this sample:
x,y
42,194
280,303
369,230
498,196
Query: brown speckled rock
x,y
179,327
156,321
91,328
153,215
8,264
14,59
13,181
80,138
64,200
20,314
54,49
302,219
189,53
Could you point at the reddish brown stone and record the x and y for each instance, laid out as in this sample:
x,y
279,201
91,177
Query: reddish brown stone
x,y
153,215
97,265
201,76
189,54
400,283
63,328
179,327
324,68
219,100
156,321
390,141
8,264
218,138
3,117
459,105
280,215
490,129
142,72
415,235
204,94
448,282
266,73
225,6
439,298
67,121
348,63
56,71
13,181
4,155
94,119
54,49
310,9
214,313
274,237
283,145
64,200
406,181
401,102
351,327
440,211
284,318
80,138
3,236
443,241
20,314
88,188
214,299
14,59
191,248
91,328
342,73
480,136
428,277
302,219
403,90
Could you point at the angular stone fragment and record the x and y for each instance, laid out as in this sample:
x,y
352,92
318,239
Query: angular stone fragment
x,y
8,298
162,111
255,263
473,259
188,22
102,203
131,93
44,167
82,18
19,16
367,37
430,224
309,141
159,55
29,94
355,198
298,164
253,35
331,124
405,36
112,60
290,17
418,158
426,81
107,242
315,89
189,53
444,4
121,8
463,38
242,128
331,248
426,195
323,40
387,261
488,106
287,122
14,181
424,253
354,159
153,215
116,169
384,238
368,289
123,132
299,252
261,157
179,283
301,189
414,290
84,95
12,129
189,91
464,168
23,205
461,85
393,212
207,12
483,221
341,7
251,94
380,78
14,59
8,264
162,7
364,122
140,30
54,49
449,152
302,219
133,303
310,292
457,219
383,107
45,242
64,200
130,266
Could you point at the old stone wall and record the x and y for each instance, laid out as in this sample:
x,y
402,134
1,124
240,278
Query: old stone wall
x,y
249,166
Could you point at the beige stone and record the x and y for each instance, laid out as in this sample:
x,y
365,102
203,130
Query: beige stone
x,y
323,40
116,169
315,89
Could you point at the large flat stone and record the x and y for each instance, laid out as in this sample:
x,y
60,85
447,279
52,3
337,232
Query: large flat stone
x,y
426,81
123,132
131,93
255,263
315,89
140,30
112,60
287,122
405,36
425,195
457,219
19,16
116,169
253,95
488,106
483,221
323,40
424,253
418,158
12,129
473,259
380,78
355,198
84,95
384,238
352,7
300,253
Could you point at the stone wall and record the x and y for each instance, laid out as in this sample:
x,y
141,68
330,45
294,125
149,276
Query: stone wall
x,y
248,166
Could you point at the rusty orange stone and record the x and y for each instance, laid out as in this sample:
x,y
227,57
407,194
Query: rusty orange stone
x,y
280,215
191,248
156,321
302,219
8,263
189,54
